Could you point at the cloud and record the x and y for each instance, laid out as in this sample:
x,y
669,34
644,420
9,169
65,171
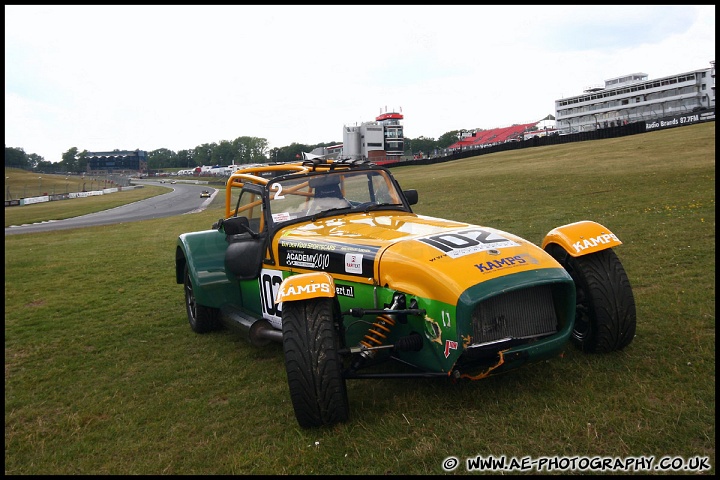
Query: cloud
x,y
148,77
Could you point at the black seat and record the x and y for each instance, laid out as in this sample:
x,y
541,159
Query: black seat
x,y
244,256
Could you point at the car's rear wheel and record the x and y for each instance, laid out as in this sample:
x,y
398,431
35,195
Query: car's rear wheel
x,y
314,368
202,319
605,318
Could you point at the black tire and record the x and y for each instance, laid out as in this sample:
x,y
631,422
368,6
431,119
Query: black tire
x,y
605,318
314,367
202,319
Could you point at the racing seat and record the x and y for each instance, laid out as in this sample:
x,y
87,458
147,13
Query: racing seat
x,y
244,254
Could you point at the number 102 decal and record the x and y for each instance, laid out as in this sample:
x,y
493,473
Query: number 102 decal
x,y
269,283
464,242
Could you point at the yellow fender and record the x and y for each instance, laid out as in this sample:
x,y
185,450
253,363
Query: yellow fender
x,y
582,238
305,286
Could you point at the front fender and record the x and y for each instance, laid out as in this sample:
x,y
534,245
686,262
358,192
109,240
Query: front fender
x,y
204,254
305,286
582,238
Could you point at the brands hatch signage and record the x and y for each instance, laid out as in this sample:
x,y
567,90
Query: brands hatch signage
x,y
680,120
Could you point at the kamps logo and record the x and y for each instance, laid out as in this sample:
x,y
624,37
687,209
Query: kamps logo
x,y
513,261
593,242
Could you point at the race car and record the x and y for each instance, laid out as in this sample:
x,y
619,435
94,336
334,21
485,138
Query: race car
x,y
328,258
205,194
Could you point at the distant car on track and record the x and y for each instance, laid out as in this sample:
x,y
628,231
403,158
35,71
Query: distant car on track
x,y
205,194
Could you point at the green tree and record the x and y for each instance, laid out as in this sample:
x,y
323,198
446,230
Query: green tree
x,y
224,153
82,161
16,158
250,150
186,159
160,158
273,154
69,162
258,150
292,152
447,139
203,153
414,146
43,165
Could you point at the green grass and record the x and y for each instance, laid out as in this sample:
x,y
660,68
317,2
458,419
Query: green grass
x,y
104,376
21,183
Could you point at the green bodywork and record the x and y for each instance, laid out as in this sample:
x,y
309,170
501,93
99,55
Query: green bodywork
x,y
204,254
446,329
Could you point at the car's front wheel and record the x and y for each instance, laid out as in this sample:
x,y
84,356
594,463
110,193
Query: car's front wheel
x,y
605,318
202,319
314,367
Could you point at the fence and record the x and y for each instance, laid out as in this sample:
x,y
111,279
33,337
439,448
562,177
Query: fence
x,y
707,115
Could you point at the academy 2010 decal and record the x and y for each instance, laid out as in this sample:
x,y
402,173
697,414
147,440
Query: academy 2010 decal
x,y
328,257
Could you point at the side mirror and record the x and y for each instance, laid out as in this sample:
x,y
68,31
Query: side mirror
x,y
411,196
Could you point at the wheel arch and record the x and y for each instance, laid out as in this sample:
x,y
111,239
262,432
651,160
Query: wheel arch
x,y
581,238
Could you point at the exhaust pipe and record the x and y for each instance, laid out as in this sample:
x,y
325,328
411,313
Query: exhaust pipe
x,y
257,330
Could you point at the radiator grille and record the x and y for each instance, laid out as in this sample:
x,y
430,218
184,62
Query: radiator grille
x,y
522,313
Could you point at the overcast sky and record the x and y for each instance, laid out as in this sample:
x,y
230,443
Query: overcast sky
x,y
110,77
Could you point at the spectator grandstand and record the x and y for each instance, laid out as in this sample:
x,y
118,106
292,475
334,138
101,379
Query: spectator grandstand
x,y
488,138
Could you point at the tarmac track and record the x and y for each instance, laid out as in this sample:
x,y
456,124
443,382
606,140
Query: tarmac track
x,y
182,199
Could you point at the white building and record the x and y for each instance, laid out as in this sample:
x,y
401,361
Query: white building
x,y
378,141
634,98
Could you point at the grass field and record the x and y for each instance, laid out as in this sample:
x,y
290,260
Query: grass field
x,y
104,376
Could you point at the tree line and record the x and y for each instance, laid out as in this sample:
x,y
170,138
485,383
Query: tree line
x,y
241,151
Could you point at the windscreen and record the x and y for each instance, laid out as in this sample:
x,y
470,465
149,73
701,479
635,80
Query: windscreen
x,y
327,192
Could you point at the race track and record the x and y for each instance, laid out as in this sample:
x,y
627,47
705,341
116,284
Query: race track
x,y
183,198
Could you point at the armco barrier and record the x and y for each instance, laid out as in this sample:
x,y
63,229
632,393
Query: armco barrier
x,y
65,196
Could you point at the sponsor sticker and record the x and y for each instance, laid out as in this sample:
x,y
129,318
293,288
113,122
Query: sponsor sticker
x,y
345,290
593,242
282,217
465,242
450,345
306,289
353,263
328,257
514,261
317,261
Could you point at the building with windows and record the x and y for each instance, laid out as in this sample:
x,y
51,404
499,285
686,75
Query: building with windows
x,y
118,161
635,98
379,141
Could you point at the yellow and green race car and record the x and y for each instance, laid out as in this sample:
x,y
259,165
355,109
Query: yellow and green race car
x,y
328,258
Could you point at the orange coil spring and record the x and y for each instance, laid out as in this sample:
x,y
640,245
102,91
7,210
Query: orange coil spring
x,y
378,332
